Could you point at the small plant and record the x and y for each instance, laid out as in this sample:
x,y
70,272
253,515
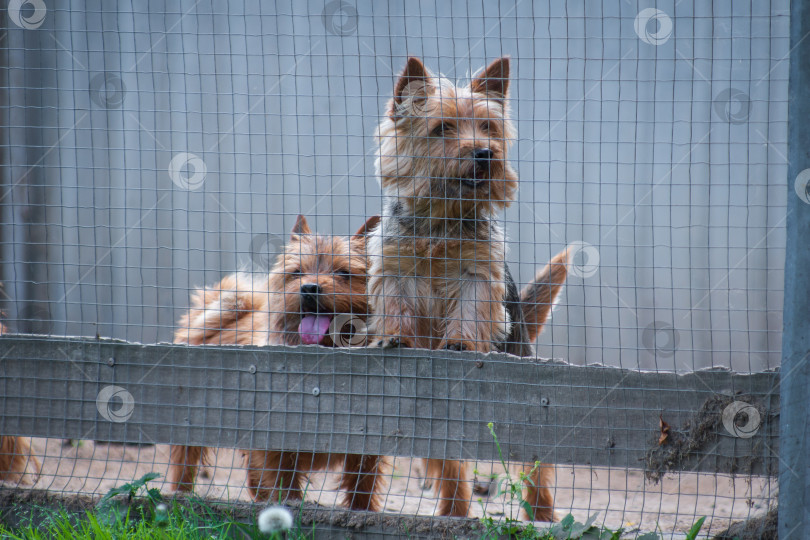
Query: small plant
x,y
131,491
693,532
567,528
514,490
507,484
111,510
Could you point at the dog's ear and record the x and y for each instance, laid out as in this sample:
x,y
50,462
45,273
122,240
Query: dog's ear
x,y
367,227
301,226
414,83
494,80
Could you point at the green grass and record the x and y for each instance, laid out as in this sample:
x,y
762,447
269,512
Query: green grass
x,y
134,511
119,515
179,523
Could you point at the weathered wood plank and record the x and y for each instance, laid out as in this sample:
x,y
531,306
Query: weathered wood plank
x,y
401,402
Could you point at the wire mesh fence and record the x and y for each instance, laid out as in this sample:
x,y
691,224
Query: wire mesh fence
x,y
303,197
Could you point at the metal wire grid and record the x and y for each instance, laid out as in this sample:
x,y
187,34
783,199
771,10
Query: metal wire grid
x,y
160,151
622,495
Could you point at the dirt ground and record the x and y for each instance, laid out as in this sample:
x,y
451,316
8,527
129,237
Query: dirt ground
x,y
621,498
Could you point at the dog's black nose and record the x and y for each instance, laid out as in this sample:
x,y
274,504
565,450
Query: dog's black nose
x,y
310,288
482,157
309,296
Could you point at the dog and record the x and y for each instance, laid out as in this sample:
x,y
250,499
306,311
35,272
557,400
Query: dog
x,y
16,454
438,279
317,280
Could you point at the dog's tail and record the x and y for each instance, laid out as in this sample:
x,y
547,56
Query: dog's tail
x,y
222,314
538,297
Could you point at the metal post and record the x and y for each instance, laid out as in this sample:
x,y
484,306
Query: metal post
x,y
794,476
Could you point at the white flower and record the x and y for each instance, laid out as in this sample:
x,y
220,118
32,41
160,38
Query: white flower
x,y
161,515
275,519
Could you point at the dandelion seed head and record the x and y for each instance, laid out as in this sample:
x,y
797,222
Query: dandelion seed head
x,y
275,519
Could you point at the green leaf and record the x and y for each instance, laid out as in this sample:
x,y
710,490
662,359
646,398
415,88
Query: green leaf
x,y
576,530
130,489
562,530
693,532
528,508
120,490
591,534
148,477
155,496
502,486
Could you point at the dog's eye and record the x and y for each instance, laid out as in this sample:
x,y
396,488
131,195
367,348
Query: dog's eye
x,y
343,273
486,125
295,272
441,129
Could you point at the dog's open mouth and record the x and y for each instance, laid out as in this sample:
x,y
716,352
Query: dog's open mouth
x,y
314,327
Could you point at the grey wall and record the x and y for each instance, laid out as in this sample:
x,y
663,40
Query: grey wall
x,y
668,158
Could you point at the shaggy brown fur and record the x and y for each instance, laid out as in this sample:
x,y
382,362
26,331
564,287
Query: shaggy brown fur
x,y
528,312
438,277
233,312
236,311
15,454
317,278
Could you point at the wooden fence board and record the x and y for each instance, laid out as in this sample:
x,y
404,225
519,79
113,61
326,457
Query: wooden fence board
x,y
401,402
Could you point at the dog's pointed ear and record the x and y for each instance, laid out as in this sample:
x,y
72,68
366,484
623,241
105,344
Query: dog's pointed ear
x,y
494,80
367,227
301,226
413,83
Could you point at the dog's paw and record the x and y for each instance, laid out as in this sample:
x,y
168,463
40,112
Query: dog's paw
x,y
392,343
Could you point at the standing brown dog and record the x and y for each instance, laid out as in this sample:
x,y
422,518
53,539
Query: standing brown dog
x,y
314,291
438,279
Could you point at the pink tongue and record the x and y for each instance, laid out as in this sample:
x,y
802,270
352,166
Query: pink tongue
x,y
313,328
